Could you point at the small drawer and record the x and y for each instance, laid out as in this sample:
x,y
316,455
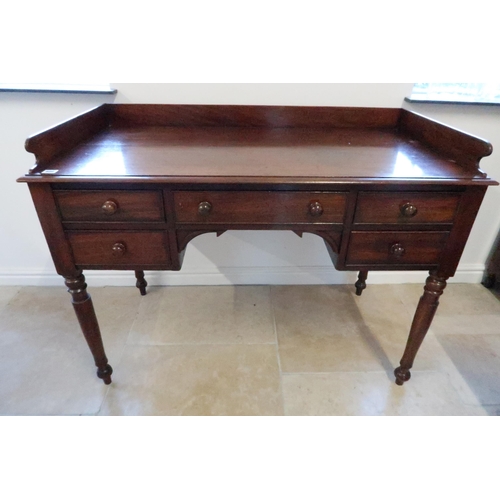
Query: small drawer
x,y
259,207
119,248
406,208
110,206
395,247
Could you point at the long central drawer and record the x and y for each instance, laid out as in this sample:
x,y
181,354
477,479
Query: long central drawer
x,y
263,207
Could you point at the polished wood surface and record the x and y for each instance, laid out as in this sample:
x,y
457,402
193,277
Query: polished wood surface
x,y
271,117
50,144
198,143
110,205
465,149
259,207
395,248
203,154
107,248
129,186
360,285
141,283
426,309
82,304
406,208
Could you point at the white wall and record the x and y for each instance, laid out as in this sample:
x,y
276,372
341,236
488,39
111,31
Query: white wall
x,y
236,257
298,94
24,257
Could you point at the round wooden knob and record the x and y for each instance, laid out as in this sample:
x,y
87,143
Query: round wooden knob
x,y
204,208
316,209
409,210
397,250
110,207
119,249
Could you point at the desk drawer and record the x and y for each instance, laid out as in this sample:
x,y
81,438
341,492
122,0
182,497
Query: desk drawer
x,y
406,208
110,206
119,248
395,247
259,207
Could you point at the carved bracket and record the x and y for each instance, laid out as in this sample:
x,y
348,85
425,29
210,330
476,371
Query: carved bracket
x,y
185,236
331,238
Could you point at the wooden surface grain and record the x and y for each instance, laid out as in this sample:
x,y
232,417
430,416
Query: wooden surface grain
x,y
239,152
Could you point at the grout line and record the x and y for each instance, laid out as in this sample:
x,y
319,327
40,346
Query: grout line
x,y
11,299
356,371
120,357
165,344
271,293
108,388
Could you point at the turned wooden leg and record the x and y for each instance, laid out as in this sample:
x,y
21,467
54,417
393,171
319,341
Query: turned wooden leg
x,y
361,283
85,313
141,283
427,306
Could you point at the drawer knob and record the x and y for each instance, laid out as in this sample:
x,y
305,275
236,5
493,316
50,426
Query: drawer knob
x,y
316,209
397,250
204,208
119,249
110,207
409,210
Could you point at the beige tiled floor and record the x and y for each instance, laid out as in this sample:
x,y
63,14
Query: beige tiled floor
x,y
255,350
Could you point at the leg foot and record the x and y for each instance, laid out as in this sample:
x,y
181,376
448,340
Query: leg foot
x,y
427,306
402,375
361,283
105,374
141,283
84,309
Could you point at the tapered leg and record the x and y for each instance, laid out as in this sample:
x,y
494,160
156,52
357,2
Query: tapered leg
x,y
141,283
433,289
361,283
85,313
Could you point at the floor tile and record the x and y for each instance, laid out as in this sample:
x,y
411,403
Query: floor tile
x,y
466,324
46,367
457,299
463,309
7,293
386,317
477,360
357,393
205,315
196,380
323,329
319,329
468,299
219,356
492,410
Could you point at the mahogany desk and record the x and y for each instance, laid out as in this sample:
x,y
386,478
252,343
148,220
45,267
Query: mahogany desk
x,y
128,186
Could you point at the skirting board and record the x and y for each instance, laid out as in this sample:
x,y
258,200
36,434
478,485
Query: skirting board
x,y
233,276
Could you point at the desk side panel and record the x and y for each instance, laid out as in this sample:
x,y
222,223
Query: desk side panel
x,y
50,220
62,138
464,149
466,215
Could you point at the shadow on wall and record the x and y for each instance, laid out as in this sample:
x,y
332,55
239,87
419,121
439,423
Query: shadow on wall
x,y
492,272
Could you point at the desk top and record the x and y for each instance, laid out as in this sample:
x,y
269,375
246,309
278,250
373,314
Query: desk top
x,y
255,144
